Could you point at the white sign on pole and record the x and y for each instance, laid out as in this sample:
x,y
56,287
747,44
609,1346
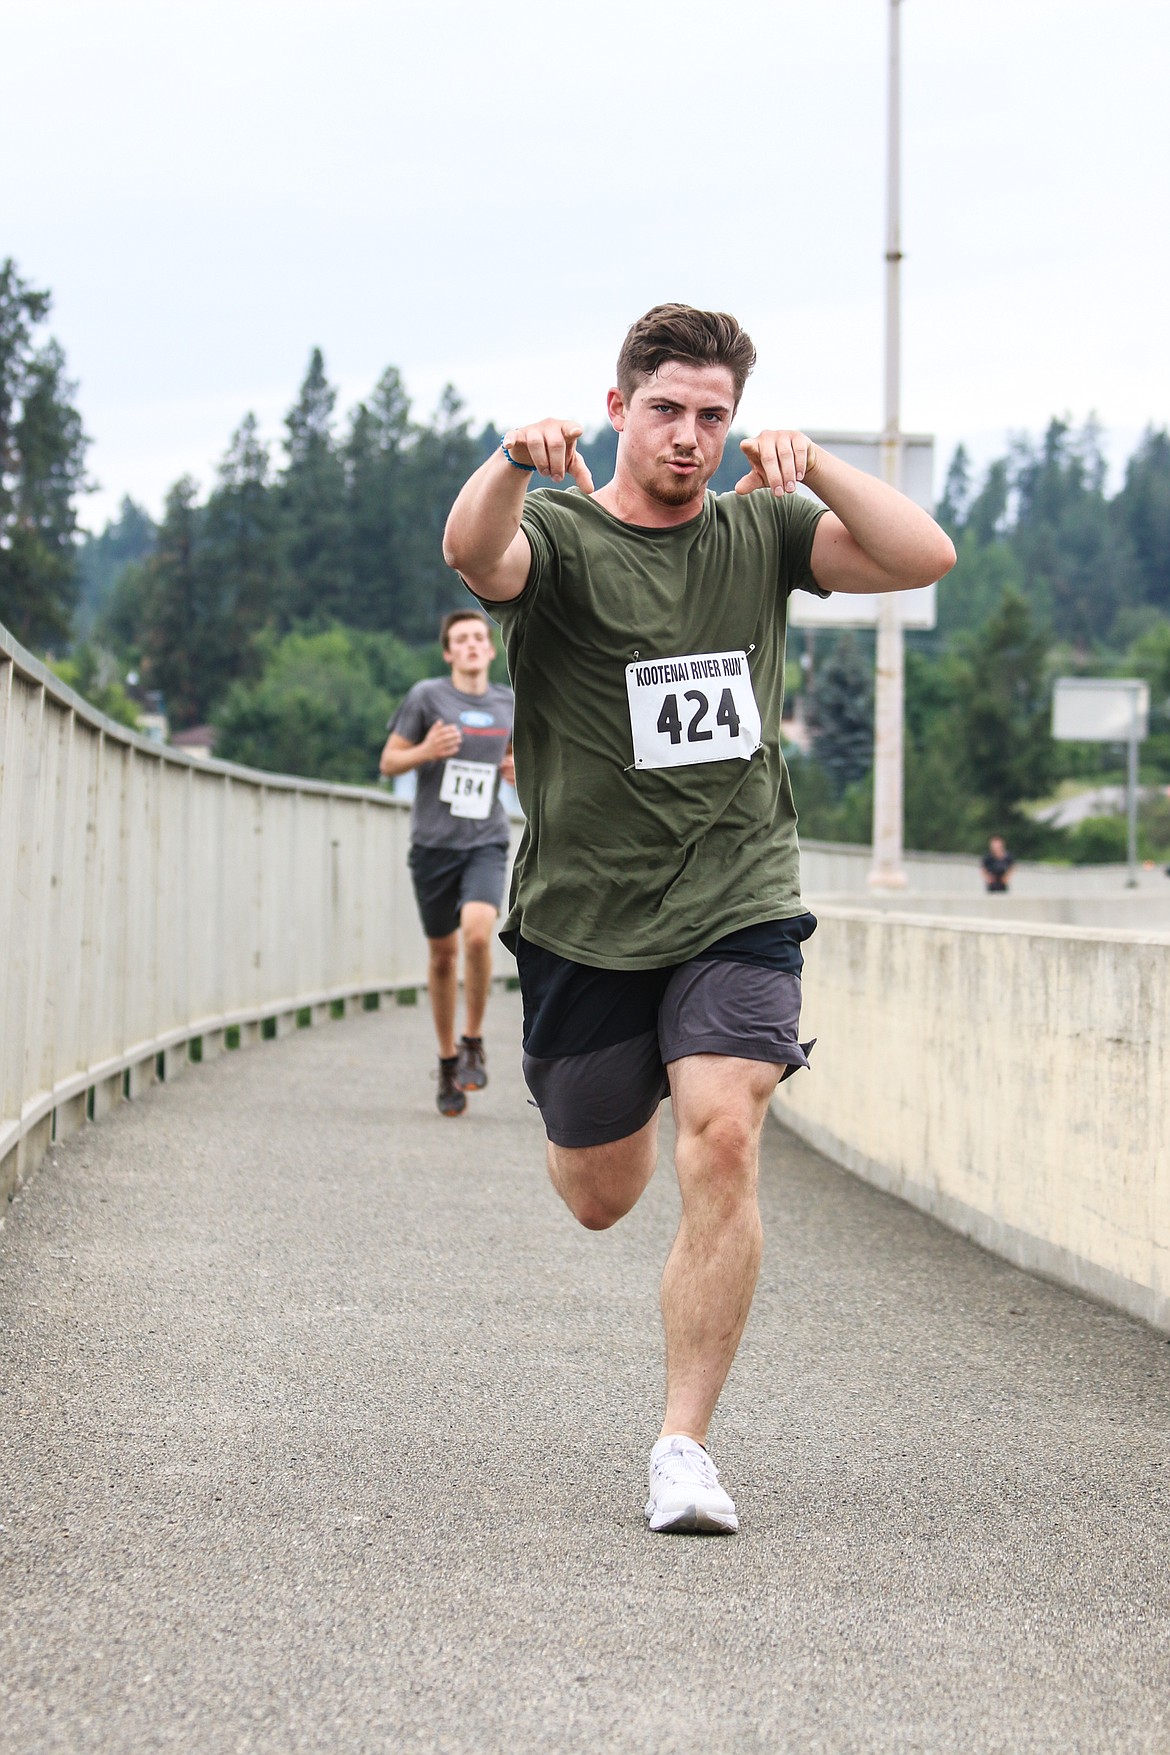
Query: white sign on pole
x,y
1107,709
845,609
1100,709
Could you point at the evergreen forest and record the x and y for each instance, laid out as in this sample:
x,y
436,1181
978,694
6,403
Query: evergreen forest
x,y
291,603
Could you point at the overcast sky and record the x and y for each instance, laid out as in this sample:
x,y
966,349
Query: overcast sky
x,y
488,193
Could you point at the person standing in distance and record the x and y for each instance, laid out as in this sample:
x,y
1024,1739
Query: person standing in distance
x,y
656,913
457,733
996,865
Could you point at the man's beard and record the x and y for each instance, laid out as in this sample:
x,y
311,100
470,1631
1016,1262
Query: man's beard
x,y
677,490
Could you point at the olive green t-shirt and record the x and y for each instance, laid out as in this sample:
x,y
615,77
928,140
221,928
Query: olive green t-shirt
x,y
624,863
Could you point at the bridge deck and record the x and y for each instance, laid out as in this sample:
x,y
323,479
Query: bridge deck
x,y
325,1429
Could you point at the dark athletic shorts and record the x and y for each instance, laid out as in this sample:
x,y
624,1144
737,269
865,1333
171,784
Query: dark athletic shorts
x,y
597,1042
446,877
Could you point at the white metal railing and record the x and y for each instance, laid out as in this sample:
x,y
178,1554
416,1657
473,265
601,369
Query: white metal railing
x,y
149,901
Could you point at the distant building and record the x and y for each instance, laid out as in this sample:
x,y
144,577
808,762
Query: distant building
x,y
151,708
154,726
198,741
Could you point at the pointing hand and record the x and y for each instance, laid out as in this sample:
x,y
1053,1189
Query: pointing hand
x,y
551,446
779,459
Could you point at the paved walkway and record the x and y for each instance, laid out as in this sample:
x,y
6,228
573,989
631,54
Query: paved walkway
x,y
324,1429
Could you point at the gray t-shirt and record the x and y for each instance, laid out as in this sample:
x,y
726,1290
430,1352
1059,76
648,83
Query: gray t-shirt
x,y
457,801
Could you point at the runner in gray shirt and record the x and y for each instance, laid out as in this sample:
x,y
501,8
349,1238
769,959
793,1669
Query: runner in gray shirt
x,y
456,732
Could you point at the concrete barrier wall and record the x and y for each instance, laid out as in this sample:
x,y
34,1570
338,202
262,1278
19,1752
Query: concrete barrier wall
x,y
1142,910
1013,1080
147,899
830,869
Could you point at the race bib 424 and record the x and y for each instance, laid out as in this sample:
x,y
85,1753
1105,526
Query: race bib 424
x,y
701,708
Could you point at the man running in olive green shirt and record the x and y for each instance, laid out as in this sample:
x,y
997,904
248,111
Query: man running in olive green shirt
x,y
656,913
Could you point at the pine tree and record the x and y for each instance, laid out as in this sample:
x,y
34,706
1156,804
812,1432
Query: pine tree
x,y
42,470
313,505
1064,537
1141,513
437,464
1004,717
187,633
377,513
983,572
841,714
126,539
987,513
956,500
241,549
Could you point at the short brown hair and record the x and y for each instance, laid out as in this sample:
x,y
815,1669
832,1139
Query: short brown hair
x,y
680,332
460,615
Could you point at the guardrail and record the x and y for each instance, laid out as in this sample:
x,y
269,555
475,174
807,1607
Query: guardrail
x,y
151,903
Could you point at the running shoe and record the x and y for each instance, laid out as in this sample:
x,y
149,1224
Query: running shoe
x,y
471,1068
450,1099
685,1495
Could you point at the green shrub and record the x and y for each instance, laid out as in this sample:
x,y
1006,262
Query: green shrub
x,y
1098,841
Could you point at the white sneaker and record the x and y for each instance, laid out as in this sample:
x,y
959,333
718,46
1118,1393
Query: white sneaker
x,y
685,1494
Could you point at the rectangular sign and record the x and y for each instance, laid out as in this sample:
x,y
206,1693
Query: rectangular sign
x,y
848,609
916,609
1091,709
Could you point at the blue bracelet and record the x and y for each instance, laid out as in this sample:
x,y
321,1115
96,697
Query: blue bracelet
x,y
528,468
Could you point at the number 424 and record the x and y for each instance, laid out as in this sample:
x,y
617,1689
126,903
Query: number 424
x,y
670,720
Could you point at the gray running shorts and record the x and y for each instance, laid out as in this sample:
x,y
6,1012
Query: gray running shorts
x,y
447,877
597,1042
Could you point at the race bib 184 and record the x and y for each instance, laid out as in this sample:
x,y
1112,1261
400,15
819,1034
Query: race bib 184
x,y
701,708
468,788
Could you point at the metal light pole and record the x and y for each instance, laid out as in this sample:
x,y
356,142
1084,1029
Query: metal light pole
x,y
1131,790
887,872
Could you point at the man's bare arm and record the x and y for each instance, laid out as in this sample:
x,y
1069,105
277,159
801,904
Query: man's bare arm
x,y
483,540
400,755
872,537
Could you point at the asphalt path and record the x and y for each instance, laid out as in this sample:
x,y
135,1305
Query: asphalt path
x,y
325,1429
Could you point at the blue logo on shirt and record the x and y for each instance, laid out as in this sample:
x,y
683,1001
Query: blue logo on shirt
x,y
473,716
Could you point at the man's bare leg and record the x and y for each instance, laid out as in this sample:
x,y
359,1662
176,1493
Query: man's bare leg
x,y
719,1105
477,921
599,1184
442,985
710,1275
